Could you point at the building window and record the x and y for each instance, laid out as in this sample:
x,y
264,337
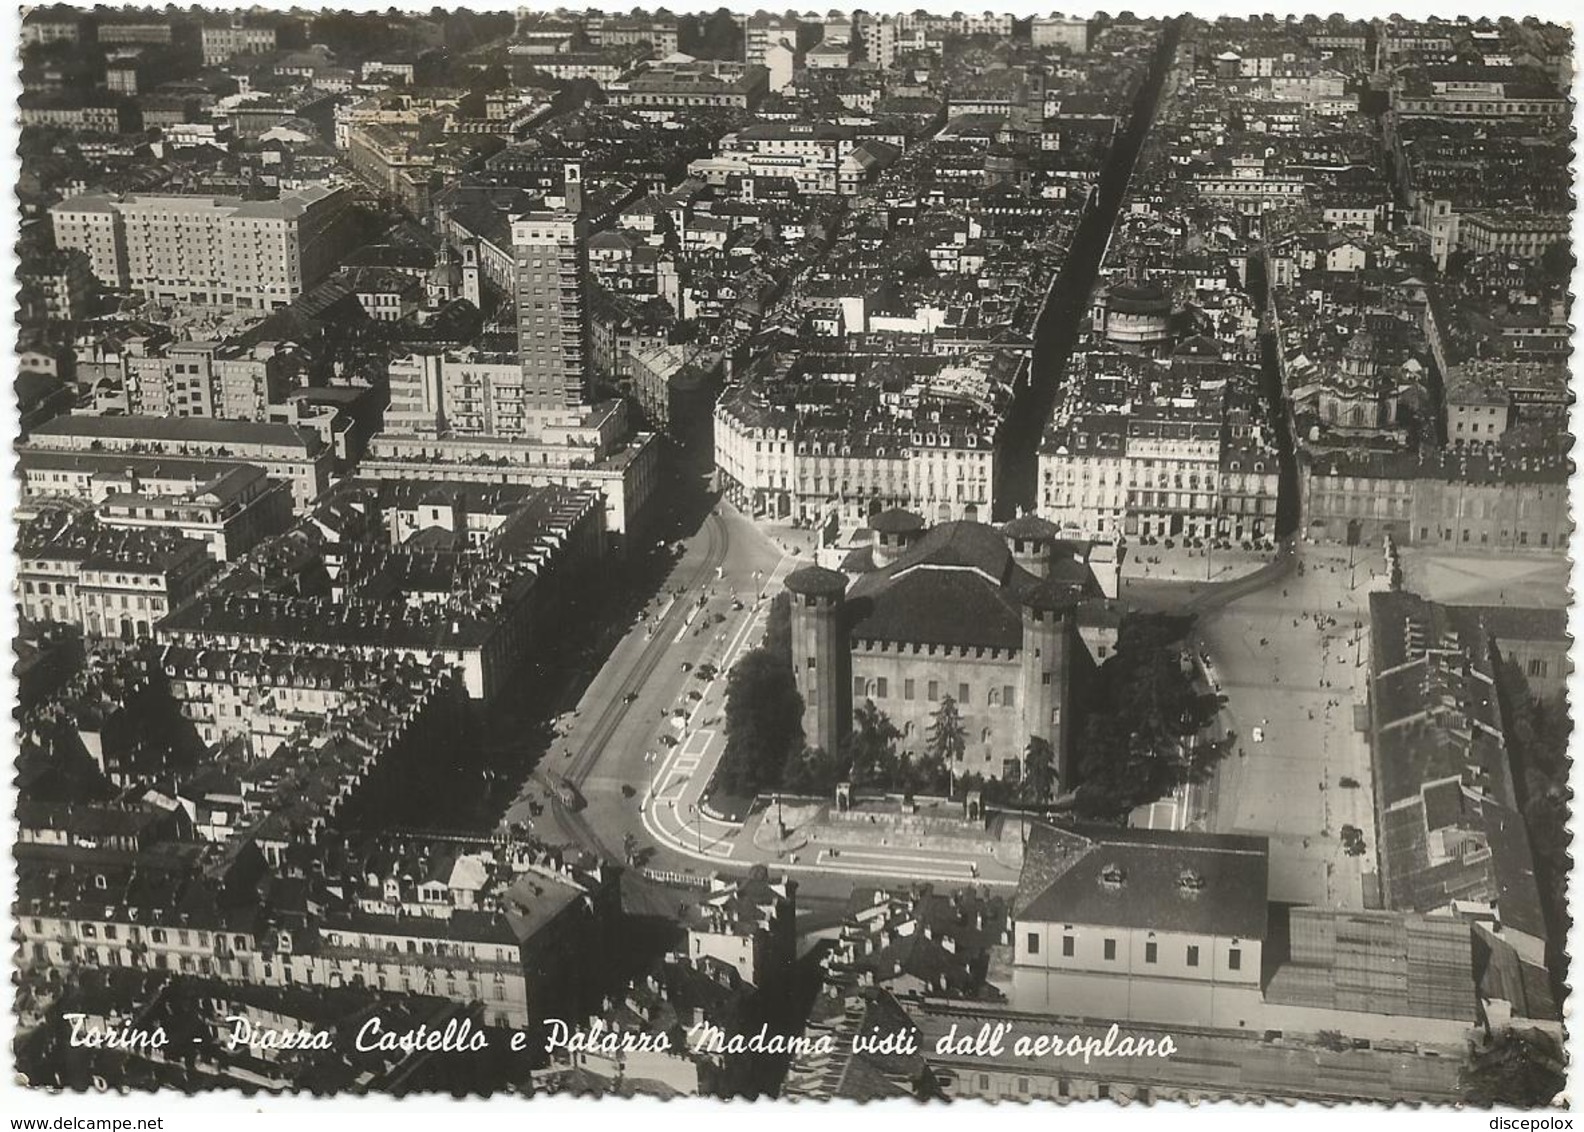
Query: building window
x,y
907,689
1008,699
1110,949
933,690
880,688
1033,943
962,693
1537,667
1067,946
1235,959
1149,952
1193,955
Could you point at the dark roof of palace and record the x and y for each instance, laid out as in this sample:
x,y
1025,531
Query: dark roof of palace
x,y
957,586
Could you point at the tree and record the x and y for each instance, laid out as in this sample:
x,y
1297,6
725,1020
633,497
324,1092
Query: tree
x,y
1039,771
871,747
947,739
1141,737
813,771
1556,262
778,627
926,774
764,723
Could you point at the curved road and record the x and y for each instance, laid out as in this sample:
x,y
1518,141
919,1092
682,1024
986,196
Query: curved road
x,y
594,740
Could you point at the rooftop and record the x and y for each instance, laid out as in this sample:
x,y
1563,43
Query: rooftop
x,y
1163,880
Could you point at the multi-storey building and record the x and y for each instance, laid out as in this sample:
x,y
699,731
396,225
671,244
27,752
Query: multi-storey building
x,y
1156,471
284,451
618,31
552,313
477,393
931,449
749,925
670,87
1058,31
812,154
224,42
777,43
1480,501
1095,937
112,582
58,287
477,609
230,514
58,24
223,251
1520,233
594,450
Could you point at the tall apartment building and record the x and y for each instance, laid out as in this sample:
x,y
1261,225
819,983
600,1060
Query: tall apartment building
x,y
777,43
552,313
214,250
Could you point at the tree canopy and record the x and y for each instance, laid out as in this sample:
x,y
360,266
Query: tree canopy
x,y
764,724
1141,738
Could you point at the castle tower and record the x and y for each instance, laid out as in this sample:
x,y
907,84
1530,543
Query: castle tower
x,y
1049,630
894,531
1031,539
821,658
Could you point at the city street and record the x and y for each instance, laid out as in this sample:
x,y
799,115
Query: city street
x,y
613,745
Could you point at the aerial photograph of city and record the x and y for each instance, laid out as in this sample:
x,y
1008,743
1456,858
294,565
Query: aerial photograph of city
x,y
854,555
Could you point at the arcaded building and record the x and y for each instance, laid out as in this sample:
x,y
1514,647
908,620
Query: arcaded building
x,y
985,616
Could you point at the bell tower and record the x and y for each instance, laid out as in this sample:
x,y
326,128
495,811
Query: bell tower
x,y
574,187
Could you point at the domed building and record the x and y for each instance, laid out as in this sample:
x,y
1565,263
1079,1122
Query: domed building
x,y
1356,396
1134,315
988,618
